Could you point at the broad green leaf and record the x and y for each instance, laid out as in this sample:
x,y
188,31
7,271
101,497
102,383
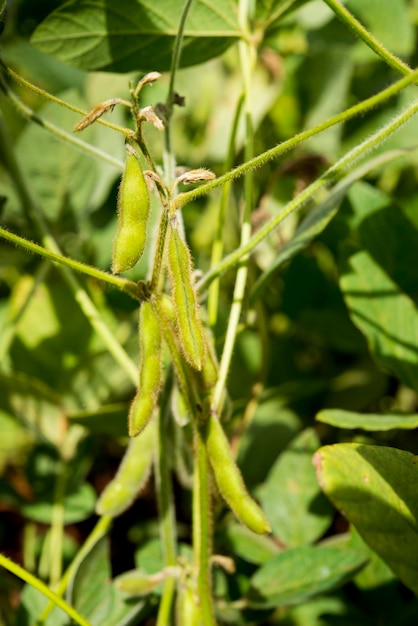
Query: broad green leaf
x,y
62,178
389,22
290,497
135,34
92,592
322,611
253,548
273,426
78,506
32,603
300,573
387,317
89,590
367,421
375,488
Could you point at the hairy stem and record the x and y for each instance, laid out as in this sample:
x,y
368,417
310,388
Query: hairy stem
x,y
331,175
166,506
186,197
42,588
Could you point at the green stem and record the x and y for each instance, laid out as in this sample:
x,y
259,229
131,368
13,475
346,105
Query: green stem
x,y
166,507
57,527
169,161
123,284
368,38
42,588
56,130
45,94
202,528
159,252
217,247
81,296
332,174
100,529
186,197
247,56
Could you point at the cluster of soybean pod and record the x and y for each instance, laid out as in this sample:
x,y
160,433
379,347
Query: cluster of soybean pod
x,y
171,321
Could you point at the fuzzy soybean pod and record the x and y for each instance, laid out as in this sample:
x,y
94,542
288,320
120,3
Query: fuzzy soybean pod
x,y
131,476
189,326
150,370
133,212
229,479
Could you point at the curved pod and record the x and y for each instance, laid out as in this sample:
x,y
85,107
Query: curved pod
x,y
229,479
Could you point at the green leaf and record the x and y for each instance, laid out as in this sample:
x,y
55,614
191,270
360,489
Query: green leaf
x,y
93,594
32,603
371,422
78,506
90,588
273,426
386,316
389,22
375,488
290,497
62,178
135,34
299,573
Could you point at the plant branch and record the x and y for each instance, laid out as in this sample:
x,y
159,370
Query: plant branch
x,y
202,528
370,41
247,56
45,94
165,504
186,197
123,284
79,144
331,175
42,588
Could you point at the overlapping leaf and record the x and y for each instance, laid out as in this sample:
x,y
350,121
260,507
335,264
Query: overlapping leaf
x,y
133,34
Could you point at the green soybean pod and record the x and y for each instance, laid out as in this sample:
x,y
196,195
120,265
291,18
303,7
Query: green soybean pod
x,y
133,212
189,326
131,476
229,479
150,370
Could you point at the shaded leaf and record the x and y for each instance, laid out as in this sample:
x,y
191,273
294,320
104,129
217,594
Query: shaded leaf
x,y
375,488
78,506
290,497
299,573
387,317
366,421
134,34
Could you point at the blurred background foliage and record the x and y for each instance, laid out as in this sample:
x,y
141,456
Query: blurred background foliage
x,y
320,334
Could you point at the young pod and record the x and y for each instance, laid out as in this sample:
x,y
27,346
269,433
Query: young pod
x,y
150,370
229,479
131,476
189,327
133,213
